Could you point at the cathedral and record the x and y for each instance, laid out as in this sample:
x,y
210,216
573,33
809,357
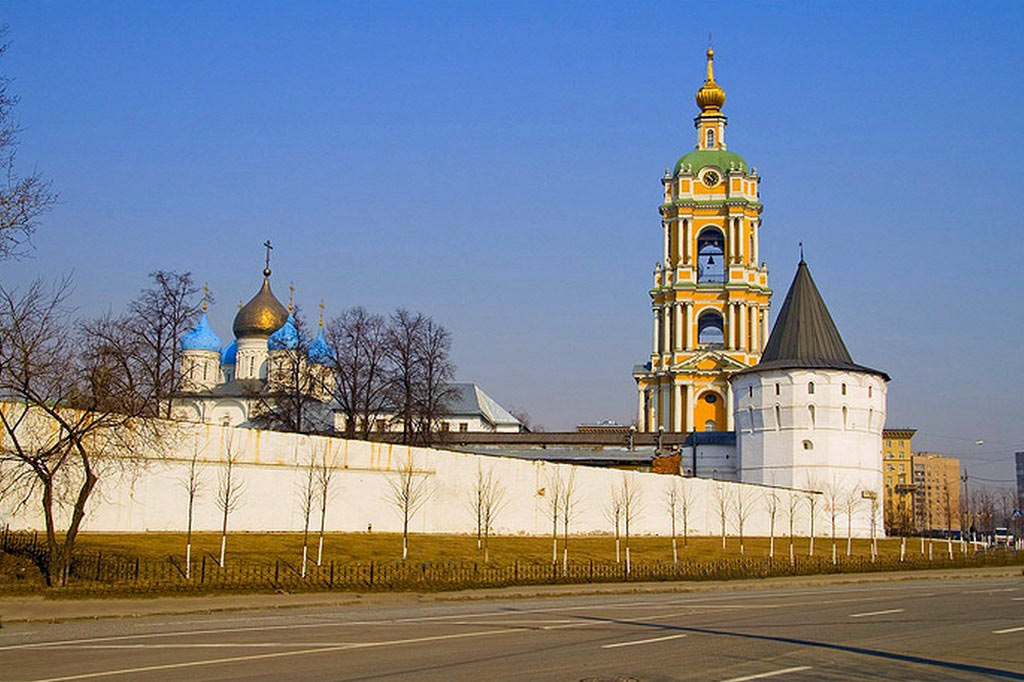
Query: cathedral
x,y
787,408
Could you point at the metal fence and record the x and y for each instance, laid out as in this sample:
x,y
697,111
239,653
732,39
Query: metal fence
x,y
106,572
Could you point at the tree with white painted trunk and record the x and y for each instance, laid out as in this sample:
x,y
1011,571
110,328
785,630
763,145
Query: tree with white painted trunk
x,y
570,502
687,499
813,498
770,500
613,512
493,501
192,481
632,507
832,500
553,495
851,503
307,501
793,502
743,501
722,504
672,504
326,465
229,488
409,491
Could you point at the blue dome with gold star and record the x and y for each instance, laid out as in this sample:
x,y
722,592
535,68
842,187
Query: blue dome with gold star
x,y
201,338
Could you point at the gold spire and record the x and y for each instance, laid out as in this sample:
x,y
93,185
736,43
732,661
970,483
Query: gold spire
x,y
710,97
291,298
321,313
206,294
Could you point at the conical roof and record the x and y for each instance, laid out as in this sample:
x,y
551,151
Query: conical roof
x,y
804,335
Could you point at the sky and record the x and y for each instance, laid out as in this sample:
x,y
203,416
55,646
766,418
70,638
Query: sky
x,y
497,165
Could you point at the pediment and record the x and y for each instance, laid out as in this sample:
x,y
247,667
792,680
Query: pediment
x,y
709,361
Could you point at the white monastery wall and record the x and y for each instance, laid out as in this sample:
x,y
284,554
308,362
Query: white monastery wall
x,y
271,470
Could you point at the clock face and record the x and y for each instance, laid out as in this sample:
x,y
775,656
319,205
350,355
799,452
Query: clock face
x,y
710,179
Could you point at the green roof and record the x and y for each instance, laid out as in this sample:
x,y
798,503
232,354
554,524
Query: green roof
x,y
702,158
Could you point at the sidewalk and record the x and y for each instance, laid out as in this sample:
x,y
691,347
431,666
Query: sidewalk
x,y
46,609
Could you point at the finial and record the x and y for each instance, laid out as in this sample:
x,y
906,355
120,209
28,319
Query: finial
x,y
206,294
711,59
291,297
801,252
321,313
266,270
239,304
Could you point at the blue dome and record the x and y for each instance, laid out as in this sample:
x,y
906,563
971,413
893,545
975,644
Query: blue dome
x,y
285,338
227,356
201,338
319,352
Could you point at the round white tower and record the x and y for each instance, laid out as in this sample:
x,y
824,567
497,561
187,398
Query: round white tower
x,y
806,415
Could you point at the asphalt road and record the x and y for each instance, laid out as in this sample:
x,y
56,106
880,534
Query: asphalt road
x,y
913,630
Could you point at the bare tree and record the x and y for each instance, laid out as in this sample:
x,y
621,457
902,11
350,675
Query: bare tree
x,y
155,322
192,481
672,504
493,503
812,504
553,492
851,502
361,367
742,506
613,512
402,347
687,498
74,412
632,507
570,501
476,499
409,491
23,199
771,502
307,502
722,502
230,488
833,502
326,465
434,392
792,507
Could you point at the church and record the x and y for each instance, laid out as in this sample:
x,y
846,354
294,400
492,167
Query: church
x,y
787,408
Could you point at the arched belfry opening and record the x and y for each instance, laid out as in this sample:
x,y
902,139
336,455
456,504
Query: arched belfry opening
x,y
711,256
711,329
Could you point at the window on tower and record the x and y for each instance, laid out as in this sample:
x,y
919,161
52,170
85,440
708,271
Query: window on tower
x,y
710,256
710,330
710,138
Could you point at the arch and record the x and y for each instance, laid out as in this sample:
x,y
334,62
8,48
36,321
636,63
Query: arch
x,y
710,255
808,445
810,388
711,329
811,414
845,417
710,407
778,417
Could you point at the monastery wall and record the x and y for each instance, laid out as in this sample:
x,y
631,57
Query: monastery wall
x,y
272,469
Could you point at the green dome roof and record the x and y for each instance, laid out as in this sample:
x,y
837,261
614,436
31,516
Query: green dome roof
x,y
703,158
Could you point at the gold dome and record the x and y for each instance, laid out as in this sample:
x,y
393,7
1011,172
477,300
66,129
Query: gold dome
x,y
262,316
710,97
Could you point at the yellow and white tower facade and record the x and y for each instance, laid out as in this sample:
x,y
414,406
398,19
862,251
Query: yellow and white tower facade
x,y
710,296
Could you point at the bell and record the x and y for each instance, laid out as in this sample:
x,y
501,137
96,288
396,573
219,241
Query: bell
x,y
711,260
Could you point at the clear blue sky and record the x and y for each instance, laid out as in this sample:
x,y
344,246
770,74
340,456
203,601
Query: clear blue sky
x,y
496,165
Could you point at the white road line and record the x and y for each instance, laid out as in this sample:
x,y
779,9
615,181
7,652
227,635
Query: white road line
x,y
1016,598
641,641
276,654
876,613
991,590
773,673
1007,631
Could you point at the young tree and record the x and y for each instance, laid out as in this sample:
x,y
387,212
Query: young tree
x,y
792,507
771,502
722,503
570,501
632,507
307,502
613,512
326,465
23,198
476,499
554,494
672,504
687,499
851,502
409,491
192,482
812,497
493,503
229,488
742,505
361,368
833,502
74,412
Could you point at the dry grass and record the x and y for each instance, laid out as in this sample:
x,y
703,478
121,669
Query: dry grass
x,y
365,547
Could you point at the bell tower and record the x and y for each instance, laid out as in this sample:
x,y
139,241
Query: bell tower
x,y
710,295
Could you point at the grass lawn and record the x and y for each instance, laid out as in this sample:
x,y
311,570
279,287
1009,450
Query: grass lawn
x,y
364,547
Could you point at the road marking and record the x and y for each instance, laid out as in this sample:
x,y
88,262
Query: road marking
x,y
276,654
1016,598
990,591
773,673
1007,631
875,613
641,641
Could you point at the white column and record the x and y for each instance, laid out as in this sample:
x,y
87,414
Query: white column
x,y
662,407
677,412
641,421
729,337
728,407
691,340
668,256
677,343
742,312
687,231
754,328
666,328
657,331
764,327
757,246
679,242
687,408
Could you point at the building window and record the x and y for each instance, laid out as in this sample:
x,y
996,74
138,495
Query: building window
x,y
776,389
445,426
710,138
750,391
869,391
810,413
710,398
709,425
778,418
808,445
810,388
844,418
844,389
463,427
750,413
